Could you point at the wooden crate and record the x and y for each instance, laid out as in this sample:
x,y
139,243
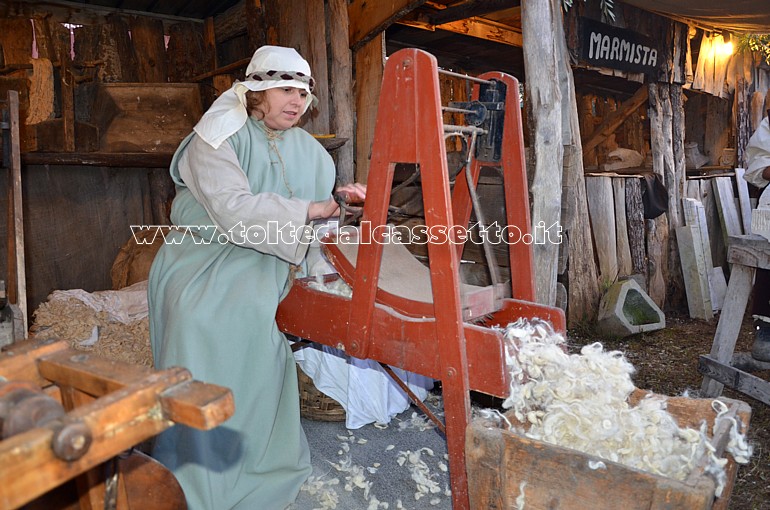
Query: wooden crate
x,y
145,117
499,462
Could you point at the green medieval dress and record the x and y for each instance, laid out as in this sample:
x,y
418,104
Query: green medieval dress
x,y
213,302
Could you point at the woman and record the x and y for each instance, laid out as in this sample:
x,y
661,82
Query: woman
x,y
247,183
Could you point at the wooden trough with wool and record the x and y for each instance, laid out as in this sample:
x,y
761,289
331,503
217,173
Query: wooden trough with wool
x,y
425,320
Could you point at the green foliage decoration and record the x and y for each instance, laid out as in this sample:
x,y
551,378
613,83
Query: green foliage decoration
x,y
756,42
607,7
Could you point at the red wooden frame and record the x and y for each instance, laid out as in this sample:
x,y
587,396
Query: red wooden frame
x,y
462,355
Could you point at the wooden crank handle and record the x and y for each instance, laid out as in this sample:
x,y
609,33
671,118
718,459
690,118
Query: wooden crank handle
x,y
71,440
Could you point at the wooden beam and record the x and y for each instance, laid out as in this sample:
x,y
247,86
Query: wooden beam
x,y
734,378
612,122
480,28
368,19
238,64
470,9
78,12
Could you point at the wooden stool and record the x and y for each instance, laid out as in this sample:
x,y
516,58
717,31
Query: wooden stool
x,y
722,368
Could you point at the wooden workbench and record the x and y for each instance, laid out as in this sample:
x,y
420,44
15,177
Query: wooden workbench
x,y
723,367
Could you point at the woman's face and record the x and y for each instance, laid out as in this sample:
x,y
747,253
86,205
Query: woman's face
x,y
283,107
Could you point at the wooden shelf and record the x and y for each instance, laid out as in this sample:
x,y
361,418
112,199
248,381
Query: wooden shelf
x,y
125,159
113,159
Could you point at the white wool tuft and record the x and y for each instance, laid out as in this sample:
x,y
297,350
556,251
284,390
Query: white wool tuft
x,y
580,401
337,287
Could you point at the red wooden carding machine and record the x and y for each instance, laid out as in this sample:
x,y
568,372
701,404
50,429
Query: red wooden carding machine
x,y
402,313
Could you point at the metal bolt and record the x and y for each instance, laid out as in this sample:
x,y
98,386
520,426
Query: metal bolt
x,y
451,372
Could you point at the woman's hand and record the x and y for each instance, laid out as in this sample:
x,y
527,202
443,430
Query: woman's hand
x,y
350,193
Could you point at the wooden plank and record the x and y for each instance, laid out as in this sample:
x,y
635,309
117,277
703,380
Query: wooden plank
x,y
625,268
718,288
613,121
370,19
728,213
760,222
147,36
743,199
185,47
341,87
90,374
16,40
730,321
602,212
293,18
753,251
19,361
695,272
736,379
256,28
369,67
695,216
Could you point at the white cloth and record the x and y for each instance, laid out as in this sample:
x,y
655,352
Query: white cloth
x,y
228,113
758,154
362,387
758,157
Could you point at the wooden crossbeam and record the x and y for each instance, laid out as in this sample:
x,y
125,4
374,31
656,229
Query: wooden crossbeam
x,y
614,120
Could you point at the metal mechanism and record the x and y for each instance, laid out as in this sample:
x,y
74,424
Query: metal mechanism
x,y
423,319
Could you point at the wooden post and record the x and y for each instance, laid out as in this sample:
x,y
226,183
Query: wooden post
x,y
17,273
635,215
368,68
341,88
657,229
542,59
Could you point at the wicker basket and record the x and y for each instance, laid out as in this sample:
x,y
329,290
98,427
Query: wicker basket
x,y
313,404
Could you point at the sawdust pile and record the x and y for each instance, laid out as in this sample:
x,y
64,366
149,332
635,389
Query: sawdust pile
x,y
93,331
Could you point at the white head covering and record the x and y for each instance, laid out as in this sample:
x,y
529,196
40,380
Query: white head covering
x,y
270,67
